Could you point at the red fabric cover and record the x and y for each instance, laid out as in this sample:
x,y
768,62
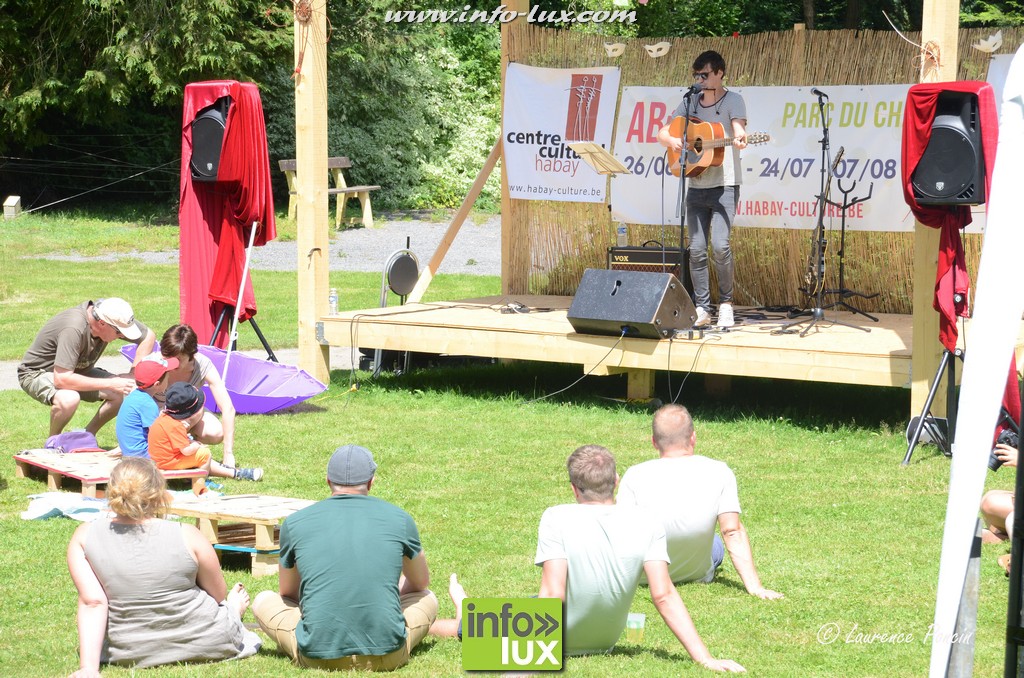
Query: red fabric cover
x,y
951,277
1011,397
215,218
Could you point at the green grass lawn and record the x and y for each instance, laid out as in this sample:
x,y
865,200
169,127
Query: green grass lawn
x,y
850,537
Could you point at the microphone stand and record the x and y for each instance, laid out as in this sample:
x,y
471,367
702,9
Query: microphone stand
x,y
818,265
684,253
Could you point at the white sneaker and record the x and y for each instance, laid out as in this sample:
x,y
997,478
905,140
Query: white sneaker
x,y
725,317
703,318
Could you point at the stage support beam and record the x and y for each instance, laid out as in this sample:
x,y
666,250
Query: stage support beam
x,y
311,189
939,27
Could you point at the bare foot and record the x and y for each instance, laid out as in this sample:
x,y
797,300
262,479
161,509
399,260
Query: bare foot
x,y
457,594
991,535
238,598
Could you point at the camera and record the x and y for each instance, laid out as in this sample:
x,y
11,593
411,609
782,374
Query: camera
x,y
1006,437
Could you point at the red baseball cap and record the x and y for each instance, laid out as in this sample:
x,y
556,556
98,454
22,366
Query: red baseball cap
x,y
152,368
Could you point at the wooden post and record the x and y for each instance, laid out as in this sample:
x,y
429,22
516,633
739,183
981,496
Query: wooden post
x,y
939,26
797,55
513,234
311,188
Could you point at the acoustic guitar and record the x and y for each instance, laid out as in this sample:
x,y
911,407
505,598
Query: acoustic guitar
x,y
705,144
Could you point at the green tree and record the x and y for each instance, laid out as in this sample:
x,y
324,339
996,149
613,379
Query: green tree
x,y
82,58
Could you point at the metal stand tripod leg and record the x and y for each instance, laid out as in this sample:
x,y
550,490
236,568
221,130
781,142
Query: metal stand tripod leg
x,y
252,321
945,364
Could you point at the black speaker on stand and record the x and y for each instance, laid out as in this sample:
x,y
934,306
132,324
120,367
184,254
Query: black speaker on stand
x,y
634,303
208,139
952,169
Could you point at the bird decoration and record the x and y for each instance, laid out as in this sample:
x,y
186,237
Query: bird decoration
x,y
990,44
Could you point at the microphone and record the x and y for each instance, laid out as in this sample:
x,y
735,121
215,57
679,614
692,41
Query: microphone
x,y
818,93
695,88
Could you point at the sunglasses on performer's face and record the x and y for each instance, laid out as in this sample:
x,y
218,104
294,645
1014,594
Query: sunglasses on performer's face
x,y
703,75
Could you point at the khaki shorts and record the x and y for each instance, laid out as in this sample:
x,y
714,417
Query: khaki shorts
x,y
40,386
279,616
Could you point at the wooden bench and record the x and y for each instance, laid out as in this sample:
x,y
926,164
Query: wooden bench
x,y
90,468
341,190
249,523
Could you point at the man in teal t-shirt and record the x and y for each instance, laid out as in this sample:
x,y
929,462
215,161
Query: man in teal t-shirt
x,y
352,579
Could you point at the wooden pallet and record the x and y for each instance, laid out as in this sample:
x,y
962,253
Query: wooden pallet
x,y
89,468
249,523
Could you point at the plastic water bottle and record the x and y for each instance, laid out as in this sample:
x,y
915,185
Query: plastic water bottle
x,y
621,238
332,302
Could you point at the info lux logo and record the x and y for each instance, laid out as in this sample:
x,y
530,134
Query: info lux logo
x,y
512,633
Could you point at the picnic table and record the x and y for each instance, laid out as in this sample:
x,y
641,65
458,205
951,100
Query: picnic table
x,y
340,189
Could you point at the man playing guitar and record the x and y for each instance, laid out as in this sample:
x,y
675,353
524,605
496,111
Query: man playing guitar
x,y
712,195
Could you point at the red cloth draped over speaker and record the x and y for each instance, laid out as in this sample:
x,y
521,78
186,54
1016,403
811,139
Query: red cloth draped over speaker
x,y
951,279
215,218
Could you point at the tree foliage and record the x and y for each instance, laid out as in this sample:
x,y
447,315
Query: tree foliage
x,y
83,58
415,105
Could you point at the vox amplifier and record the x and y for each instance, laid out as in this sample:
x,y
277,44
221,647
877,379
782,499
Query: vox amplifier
x,y
651,258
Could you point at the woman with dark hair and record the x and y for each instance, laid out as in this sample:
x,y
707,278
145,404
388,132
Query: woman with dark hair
x,y
180,341
151,591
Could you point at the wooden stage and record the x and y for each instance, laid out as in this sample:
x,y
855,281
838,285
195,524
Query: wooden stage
x,y
753,348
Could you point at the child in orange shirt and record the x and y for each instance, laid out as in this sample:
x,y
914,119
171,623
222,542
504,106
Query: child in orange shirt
x,y
170,446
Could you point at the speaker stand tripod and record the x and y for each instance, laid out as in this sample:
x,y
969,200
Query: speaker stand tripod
x,y
229,311
945,445
843,291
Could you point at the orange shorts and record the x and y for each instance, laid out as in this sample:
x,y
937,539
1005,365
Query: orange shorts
x,y
197,460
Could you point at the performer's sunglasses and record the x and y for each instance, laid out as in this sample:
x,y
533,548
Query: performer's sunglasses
x,y
703,75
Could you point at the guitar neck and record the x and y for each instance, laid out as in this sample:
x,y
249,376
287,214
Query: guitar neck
x,y
717,143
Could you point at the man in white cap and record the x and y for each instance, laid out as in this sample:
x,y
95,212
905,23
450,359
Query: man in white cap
x,y
352,582
59,368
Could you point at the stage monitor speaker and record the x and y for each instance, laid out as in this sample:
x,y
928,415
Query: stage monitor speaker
x,y
952,169
208,139
637,303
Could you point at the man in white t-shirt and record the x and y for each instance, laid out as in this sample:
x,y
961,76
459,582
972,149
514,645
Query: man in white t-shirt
x,y
691,494
592,555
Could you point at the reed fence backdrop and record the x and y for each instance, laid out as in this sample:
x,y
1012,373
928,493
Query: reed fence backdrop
x,y
553,242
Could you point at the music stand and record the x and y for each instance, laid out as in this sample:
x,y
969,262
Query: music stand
x,y
598,158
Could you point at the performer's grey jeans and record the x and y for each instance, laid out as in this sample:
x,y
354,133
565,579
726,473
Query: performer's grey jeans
x,y
709,216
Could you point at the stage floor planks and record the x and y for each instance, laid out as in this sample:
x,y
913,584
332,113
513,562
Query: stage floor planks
x,y
477,327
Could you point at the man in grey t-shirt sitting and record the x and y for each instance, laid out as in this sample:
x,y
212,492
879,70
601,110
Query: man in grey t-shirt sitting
x,y
59,368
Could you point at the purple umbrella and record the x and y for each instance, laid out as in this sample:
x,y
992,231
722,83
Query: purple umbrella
x,y
256,386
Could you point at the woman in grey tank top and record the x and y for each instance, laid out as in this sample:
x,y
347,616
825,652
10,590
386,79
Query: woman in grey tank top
x,y
151,591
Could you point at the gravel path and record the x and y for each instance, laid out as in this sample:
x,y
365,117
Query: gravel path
x,y
476,250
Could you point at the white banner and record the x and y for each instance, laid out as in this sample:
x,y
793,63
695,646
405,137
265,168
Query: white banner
x,y
545,109
782,177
